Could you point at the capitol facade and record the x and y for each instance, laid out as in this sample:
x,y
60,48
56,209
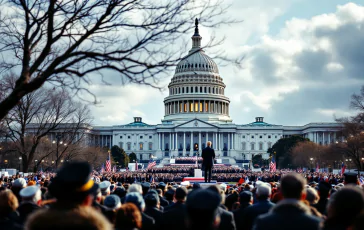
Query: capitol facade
x,y
197,111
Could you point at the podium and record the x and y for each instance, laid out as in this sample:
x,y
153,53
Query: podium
x,y
198,173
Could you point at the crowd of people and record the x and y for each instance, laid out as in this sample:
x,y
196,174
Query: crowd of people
x,y
79,198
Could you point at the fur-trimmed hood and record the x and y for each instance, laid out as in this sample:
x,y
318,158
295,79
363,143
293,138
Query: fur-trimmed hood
x,y
291,205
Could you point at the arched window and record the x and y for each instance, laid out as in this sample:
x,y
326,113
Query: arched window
x,y
260,146
128,146
183,89
252,146
200,89
196,89
150,146
187,89
205,90
209,89
213,90
141,146
179,90
191,89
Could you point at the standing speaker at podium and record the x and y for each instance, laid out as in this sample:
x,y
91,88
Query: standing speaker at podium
x,y
208,156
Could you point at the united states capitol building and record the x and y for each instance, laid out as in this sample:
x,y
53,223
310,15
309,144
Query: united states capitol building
x,y
197,111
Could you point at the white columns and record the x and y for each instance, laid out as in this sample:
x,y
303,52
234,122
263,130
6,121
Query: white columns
x,y
323,138
176,145
170,141
199,141
159,141
228,147
215,144
207,138
232,140
329,138
184,141
219,141
163,146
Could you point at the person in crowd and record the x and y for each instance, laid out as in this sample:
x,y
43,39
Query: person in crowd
x,y
162,200
97,200
226,218
350,178
231,199
245,201
202,209
312,199
120,192
175,215
18,185
343,207
152,207
31,199
8,216
145,188
73,188
262,206
324,189
135,188
105,190
289,213
128,217
112,204
81,217
148,223
208,156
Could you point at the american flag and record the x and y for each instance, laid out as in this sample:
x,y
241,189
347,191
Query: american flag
x,y
108,164
151,163
272,165
343,167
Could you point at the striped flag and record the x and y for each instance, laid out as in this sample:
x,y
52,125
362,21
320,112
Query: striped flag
x,y
272,165
343,167
151,163
108,164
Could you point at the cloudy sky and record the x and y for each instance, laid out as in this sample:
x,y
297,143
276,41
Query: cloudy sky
x,y
303,60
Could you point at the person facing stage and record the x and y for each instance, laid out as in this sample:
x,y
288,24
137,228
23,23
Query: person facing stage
x,y
208,156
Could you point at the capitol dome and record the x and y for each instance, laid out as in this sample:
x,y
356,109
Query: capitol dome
x,y
197,61
196,90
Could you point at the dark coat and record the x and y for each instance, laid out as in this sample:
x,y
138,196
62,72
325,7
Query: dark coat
x,y
321,205
25,209
163,201
252,212
239,215
10,222
148,223
175,217
288,214
227,220
208,156
156,214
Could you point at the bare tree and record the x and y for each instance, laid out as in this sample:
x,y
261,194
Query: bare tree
x,y
303,152
67,42
41,113
352,133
